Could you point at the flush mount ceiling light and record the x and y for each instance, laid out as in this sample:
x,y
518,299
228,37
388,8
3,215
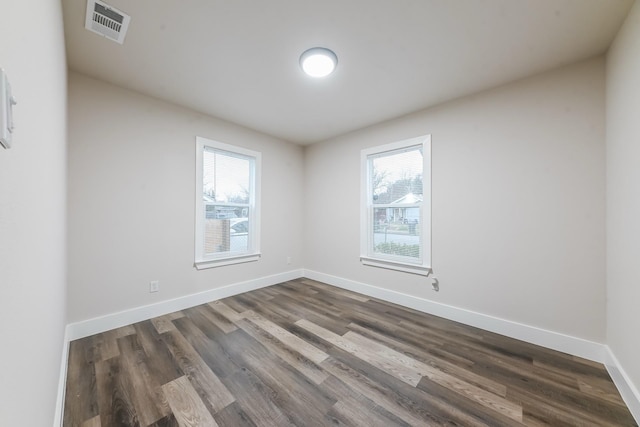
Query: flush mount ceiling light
x,y
318,62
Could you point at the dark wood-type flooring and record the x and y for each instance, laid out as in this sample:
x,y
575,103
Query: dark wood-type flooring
x,y
303,353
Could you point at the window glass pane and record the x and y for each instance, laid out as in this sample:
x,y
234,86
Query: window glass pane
x,y
396,231
239,235
396,177
217,236
224,232
225,177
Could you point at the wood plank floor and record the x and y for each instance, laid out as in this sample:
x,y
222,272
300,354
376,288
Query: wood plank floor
x,y
303,353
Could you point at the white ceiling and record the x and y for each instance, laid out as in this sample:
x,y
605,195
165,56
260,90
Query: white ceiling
x,y
238,59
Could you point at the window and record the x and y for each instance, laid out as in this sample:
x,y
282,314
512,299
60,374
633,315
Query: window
x,y
396,206
227,204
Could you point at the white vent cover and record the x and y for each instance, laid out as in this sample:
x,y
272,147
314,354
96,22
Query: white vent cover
x,y
107,21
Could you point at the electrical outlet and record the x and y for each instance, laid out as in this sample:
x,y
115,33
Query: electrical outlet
x,y
288,260
154,286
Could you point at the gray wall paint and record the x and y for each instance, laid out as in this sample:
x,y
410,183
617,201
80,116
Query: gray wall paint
x,y
623,196
131,200
518,202
33,213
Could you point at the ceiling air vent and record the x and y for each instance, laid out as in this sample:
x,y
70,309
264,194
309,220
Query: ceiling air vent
x,y
107,21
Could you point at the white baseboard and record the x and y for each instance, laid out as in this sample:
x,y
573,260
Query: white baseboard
x,y
62,381
627,389
531,334
97,325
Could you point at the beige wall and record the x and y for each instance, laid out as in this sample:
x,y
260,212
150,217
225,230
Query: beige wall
x,y
131,200
518,218
32,213
518,202
623,196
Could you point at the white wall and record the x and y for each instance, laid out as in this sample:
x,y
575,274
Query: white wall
x,y
131,200
518,202
623,196
32,213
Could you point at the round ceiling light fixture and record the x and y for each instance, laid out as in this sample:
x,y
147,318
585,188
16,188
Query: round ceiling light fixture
x,y
318,61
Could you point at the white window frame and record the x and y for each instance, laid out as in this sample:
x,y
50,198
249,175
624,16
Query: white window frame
x,y
421,265
203,261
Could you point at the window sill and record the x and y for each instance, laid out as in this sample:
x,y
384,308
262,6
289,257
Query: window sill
x,y
239,259
395,265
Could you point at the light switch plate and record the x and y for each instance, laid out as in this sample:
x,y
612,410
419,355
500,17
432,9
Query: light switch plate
x,y
7,101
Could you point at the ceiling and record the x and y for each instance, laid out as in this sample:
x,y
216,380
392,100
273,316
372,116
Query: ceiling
x,y
238,59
